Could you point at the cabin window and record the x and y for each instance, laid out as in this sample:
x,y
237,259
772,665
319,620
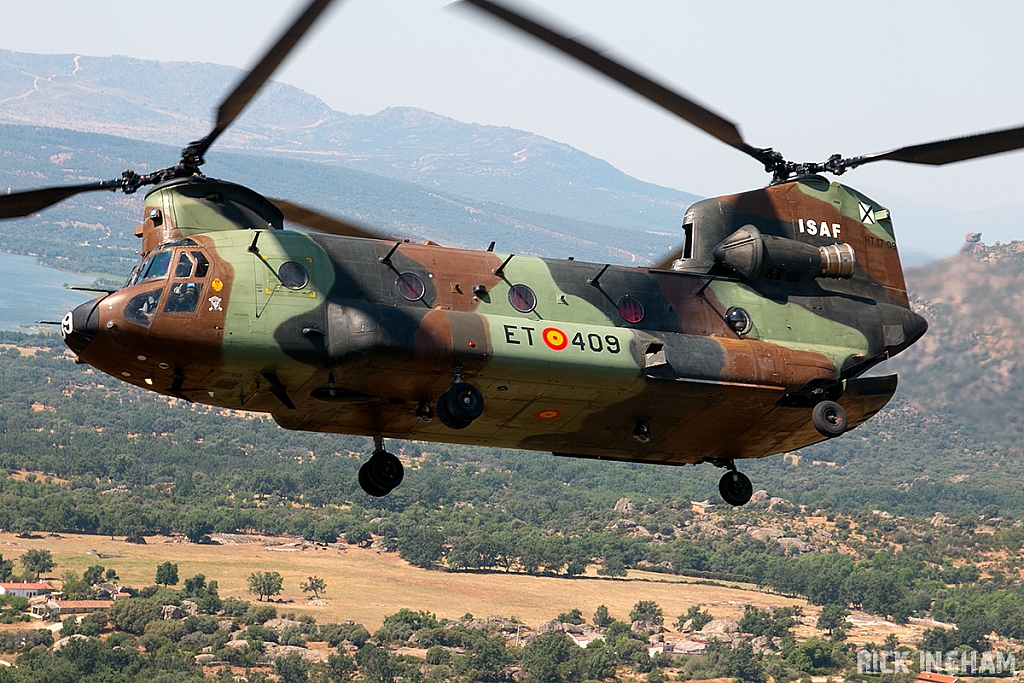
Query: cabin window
x,y
157,265
293,275
739,320
141,307
631,310
522,298
410,286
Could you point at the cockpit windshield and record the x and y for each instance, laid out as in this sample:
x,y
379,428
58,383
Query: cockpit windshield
x,y
156,266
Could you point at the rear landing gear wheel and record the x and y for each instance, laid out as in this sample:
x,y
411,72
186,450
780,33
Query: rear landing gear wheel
x,y
829,418
460,405
381,474
445,416
735,488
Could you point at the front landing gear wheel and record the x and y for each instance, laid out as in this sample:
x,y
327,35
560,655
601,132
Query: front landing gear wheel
x,y
381,474
735,488
829,418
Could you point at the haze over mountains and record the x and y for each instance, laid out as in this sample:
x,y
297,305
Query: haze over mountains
x,y
171,103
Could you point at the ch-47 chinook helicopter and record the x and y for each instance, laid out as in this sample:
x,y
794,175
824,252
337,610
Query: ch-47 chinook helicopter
x,y
752,339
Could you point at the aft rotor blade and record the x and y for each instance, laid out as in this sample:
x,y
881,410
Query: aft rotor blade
x,y
243,93
948,151
315,220
18,204
683,107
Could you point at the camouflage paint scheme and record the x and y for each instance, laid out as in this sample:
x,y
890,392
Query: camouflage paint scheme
x,y
706,392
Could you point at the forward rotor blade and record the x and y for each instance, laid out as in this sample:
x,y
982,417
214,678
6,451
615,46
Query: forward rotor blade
x,y
683,107
948,151
18,204
243,93
315,220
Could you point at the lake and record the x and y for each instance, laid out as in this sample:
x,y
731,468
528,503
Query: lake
x,y
31,292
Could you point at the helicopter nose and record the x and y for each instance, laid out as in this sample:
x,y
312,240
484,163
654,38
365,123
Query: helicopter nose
x,y
79,325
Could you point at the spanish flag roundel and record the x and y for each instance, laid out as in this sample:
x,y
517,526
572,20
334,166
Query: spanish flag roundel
x,y
555,338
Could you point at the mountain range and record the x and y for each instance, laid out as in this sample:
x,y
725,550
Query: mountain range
x,y
170,103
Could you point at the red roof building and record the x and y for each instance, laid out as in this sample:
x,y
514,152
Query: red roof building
x,y
932,677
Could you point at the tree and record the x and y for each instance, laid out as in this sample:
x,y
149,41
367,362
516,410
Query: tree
x,y
612,565
832,617
93,574
420,545
698,619
548,658
197,524
574,616
132,615
314,585
647,610
167,574
6,569
375,664
265,584
37,562
194,585
111,574
601,617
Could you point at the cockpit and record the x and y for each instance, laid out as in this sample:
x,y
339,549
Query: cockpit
x,y
185,265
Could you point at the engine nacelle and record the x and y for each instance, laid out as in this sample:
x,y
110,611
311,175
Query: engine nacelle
x,y
757,256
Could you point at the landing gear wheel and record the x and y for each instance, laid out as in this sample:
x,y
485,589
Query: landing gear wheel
x,y
368,486
829,419
464,401
735,488
381,474
445,416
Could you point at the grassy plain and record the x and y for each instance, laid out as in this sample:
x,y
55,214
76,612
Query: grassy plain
x,y
366,586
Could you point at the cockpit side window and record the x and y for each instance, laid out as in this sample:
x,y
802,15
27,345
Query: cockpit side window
x,y
141,307
183,297
184,267
156,266
202,265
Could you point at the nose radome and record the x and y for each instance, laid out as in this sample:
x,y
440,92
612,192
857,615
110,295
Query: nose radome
x,y
80,325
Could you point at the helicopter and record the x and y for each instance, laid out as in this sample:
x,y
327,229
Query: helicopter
x,y
754,337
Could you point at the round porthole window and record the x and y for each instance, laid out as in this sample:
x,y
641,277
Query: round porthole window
x,y
631,310
293,275
410,286
522,298
739,320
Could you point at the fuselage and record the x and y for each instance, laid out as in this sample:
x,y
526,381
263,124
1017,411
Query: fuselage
x,y
355,336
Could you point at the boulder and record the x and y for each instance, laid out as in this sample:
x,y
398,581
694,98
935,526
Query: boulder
x,y
67,639
623,505
190,608
645,628
274,651
759,496
278,624
172,612
717,626
689,647
204,659
226,625
549,626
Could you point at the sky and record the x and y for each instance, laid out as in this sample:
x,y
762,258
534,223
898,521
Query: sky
x,y
808,80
